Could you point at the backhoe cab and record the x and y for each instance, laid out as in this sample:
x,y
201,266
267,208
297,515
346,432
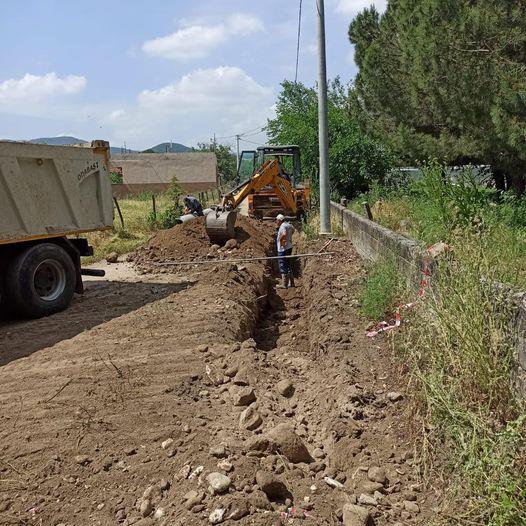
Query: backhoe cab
x,y
268,201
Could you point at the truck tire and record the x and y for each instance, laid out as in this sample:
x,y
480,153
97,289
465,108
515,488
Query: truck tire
x,y
40,281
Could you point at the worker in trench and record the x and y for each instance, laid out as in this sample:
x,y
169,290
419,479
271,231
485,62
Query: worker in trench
x,y
193,206
284,246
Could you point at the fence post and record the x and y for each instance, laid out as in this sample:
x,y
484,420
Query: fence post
x,y
119,211
154,205
368,211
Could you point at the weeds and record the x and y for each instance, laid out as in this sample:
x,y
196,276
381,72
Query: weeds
x,y
381,290
457,343
461,354
137,227
311,227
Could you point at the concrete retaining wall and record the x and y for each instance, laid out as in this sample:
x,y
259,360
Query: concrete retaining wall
x,y
374,242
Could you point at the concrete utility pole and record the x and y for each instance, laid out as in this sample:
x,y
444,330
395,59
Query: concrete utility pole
x,y
325,212
238,137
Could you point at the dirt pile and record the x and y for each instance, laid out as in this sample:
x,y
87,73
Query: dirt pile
x,y
189,242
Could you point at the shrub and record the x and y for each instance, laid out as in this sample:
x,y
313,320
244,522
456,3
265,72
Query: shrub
x,y
170,217
175,191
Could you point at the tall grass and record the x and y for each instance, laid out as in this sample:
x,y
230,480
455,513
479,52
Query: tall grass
x,y
458,343
138,227
382,290
461,354
437,208
311,226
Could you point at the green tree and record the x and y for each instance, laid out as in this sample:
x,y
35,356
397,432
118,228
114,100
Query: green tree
x,y
226,161
445,79
355,160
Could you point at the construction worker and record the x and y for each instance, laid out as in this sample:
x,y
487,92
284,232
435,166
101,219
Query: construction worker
x,y
284,246
193,206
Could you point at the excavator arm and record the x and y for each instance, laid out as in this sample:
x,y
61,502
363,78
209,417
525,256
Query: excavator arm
x,y
269,174
220,223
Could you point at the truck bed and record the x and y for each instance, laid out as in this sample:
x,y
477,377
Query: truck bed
x,y
53,191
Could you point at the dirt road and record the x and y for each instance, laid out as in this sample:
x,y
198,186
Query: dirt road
x,y
206,396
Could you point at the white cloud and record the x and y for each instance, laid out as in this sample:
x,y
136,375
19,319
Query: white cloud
x,y
198,40
224,100
35,88
351,7
204,89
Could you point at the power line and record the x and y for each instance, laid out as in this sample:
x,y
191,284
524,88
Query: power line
x,y
298,47
251,142
255,131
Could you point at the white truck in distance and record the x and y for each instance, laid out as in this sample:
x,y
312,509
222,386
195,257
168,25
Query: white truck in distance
x,y
49,195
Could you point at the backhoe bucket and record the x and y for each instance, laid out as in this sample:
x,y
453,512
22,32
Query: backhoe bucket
x,y
221,226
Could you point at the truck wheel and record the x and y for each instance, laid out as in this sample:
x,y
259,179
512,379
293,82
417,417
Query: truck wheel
x,y
41,281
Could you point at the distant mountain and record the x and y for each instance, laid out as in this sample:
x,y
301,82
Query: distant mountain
x,y
66,140
117,151
164,147
169,147
58,141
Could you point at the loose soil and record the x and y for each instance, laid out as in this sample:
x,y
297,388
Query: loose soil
x,y
189,241
118,410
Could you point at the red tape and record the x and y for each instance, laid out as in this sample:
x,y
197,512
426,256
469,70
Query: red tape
x,y
433,251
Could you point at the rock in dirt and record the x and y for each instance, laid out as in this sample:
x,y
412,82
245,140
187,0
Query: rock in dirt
x,y
411,507
218,482
290,444
319,453
225,465
259,500
112,257
83,460
367,500
242,396
217,516
272,486
231,244
285,388
218,451
250,419
237,509
394,396
376,474
193,498
152,492
354,515
145,507
332,483
232,371
370,488
262,444
167,443
249,345
242,377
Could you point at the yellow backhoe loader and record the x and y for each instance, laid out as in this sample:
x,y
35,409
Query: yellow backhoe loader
x,y
272,188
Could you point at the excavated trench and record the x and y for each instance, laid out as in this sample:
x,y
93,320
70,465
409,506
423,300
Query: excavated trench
x,y
191,383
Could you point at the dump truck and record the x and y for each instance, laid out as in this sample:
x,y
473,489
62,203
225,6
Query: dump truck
x,y
49,197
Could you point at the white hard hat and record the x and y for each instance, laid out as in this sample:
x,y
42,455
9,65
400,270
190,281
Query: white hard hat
x,y
280,217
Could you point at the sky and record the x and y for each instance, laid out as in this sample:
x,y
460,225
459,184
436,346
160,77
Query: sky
x,y
146,72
